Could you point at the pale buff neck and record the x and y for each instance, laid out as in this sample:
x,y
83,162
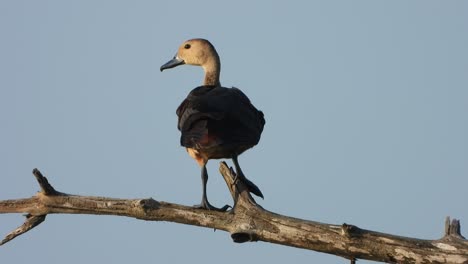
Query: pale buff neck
x,y
212,71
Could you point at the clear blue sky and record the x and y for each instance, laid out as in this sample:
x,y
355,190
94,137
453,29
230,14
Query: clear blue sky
x,y
366,105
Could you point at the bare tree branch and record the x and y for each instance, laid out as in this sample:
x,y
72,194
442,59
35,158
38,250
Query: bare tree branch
x,y
31,222
248,221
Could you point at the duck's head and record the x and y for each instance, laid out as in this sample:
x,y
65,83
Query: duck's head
x,y
198,52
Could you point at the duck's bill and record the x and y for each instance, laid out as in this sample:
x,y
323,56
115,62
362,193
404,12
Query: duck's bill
x,y
172,63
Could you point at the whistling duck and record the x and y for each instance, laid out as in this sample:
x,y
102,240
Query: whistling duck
x,y
215,122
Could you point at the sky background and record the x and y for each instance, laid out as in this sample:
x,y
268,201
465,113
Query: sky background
x,y
366,105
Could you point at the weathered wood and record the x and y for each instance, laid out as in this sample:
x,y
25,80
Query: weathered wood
x,y
46,188
248,221
31,222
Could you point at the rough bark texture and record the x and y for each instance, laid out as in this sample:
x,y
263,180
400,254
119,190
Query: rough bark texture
x,y
248,221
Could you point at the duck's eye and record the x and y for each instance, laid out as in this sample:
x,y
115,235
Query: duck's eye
x,y
187,46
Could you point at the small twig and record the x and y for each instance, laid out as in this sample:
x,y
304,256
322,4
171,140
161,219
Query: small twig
x,y
46,187
31,222
239,191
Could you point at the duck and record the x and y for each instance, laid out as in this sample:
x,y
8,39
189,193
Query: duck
x,y
215,122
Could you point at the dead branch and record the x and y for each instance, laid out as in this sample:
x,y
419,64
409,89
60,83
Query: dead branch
x,y
248,221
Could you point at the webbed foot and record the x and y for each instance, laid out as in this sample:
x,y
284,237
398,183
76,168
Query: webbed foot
x,y
207,206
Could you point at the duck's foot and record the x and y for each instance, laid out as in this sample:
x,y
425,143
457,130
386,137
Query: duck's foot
x,y
207,206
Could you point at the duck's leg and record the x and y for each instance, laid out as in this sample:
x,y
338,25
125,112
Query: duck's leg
x,y
204,203
241,177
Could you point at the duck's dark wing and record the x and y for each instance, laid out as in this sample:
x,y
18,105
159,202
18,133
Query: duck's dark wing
x,y
216,116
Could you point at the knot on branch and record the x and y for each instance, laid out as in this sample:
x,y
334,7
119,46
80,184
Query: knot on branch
x,y
350,230
244,233
147,204
245,236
